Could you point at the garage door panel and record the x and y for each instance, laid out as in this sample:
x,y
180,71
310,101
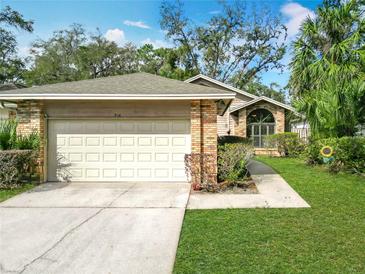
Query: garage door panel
x,y
99,150
178,173
161,157
127,141
76,173
92,173
75,157
110,141
92,141
162,141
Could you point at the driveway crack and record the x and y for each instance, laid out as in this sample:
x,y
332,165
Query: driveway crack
x,y
40,257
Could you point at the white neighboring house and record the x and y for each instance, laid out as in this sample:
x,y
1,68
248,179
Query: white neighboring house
x,y
7,108
302,128
4,114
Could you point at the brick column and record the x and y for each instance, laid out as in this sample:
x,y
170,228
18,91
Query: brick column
x,y
233,124
280,120
209,139
30,115
204,137
242,123
195,120
196,141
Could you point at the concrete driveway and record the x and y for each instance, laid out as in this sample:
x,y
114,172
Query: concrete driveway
x,y
93,228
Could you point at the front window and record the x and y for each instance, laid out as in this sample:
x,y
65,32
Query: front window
x,y
260,123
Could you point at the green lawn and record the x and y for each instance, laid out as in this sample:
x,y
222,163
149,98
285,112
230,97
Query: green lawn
x,y
8,193
327,238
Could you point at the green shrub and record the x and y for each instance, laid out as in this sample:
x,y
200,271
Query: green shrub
x,y
288,143
312,152
7,134
31,141
16,167
9,139
232,161
231,139
349,153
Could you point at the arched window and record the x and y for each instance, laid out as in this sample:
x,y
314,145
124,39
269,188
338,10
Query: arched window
x,y
260,123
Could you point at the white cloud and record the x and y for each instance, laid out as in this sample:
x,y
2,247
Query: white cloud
x,y
296,14
24,51
214,12
115,35
157,43
138,24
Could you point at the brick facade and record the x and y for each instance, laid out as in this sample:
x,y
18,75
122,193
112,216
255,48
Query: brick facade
x,y
30,115
240,127
242,123
278,113
204,137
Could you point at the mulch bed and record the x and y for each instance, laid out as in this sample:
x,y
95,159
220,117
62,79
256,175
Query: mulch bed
x,y
247,186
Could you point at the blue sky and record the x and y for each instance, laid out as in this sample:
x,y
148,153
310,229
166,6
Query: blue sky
x,y
138,21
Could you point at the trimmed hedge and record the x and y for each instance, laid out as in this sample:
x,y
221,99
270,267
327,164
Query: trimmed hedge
x,y
349,153
16,167
288,143
232,161
232,139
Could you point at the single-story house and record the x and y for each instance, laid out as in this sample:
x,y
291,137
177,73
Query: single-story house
x,y
249,115
137,127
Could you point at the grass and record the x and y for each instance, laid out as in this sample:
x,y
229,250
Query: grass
x,y
329,237
8,193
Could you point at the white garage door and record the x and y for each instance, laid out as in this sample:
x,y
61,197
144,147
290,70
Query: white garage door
x,y
118,150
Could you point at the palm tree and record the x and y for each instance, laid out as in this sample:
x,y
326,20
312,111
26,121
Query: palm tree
x,y
328,68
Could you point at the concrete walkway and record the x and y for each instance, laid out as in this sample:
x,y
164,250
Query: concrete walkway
x,y
93,228
274,192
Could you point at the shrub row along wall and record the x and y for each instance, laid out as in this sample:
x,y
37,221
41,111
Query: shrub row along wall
x,y
349,153
16,167
288,144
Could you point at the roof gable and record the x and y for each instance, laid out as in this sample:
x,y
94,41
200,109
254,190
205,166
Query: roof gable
x,y
221,84
266,99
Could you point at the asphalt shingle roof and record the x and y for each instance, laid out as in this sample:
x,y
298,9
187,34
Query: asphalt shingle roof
x,y
129,84
10,86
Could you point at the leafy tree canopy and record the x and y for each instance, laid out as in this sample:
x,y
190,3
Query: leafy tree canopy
x,y
12,67
234,46
328,69
273,91
72,54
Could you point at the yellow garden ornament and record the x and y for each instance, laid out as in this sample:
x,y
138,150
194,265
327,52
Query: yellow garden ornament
x,y
327,151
